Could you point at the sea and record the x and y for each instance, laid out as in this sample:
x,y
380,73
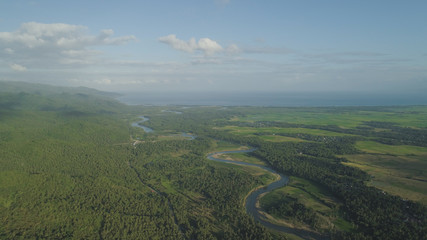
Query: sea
x,y
272,99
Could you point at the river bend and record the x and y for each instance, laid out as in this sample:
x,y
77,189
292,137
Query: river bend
x,y
253,197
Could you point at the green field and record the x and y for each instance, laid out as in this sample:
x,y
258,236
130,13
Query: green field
x,y
243,157
402,176
219,146
347,117
276,138
274,130
312,196
398,170
400,150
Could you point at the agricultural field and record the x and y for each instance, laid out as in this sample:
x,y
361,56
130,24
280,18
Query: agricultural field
x,y
346,117
277,130
398,170
387,143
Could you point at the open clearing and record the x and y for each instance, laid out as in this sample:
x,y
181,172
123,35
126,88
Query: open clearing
x,y
312,196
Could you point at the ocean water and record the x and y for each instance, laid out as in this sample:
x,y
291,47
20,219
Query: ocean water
x,y
273,99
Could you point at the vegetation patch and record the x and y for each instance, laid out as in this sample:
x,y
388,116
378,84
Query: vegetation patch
x,y
404,176
219,146
276,130
304,203
347,117
399,150
277,138
243,157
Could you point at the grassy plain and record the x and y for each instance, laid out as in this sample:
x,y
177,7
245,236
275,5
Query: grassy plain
x,y
398,170
274,130
263,176
277,138
243,157
312,196
219,146
399,150
348,117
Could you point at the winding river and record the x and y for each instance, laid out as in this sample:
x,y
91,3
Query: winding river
x,y
252,199
148,130
138,124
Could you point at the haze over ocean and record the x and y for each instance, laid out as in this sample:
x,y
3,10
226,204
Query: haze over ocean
x,y
274,99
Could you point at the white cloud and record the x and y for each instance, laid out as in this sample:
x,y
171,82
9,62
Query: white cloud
x,y
44,45
209,46
78,53
206,45
33,34
9,50
233,49
17,67
178,44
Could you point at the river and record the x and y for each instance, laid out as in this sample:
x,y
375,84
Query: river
x,y
138,124
253,197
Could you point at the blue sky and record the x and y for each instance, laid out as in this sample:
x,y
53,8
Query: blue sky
x,y
217,45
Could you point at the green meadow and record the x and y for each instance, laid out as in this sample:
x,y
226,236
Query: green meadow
x,y
398,170
347,117
275,130
276,138
243,157
399,150
312,196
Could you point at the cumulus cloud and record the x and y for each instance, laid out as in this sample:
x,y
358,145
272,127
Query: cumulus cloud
x,y
46,44
178,44
209,46
33,34
206,45
17,67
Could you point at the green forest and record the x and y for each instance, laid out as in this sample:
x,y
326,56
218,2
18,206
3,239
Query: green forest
x,y
74,167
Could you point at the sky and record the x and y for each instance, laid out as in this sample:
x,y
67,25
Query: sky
x,y
373,46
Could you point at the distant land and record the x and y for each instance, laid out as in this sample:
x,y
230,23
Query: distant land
x,y
274,99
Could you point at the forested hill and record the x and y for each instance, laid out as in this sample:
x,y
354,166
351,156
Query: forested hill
x,y
62,100
70,170
36,88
